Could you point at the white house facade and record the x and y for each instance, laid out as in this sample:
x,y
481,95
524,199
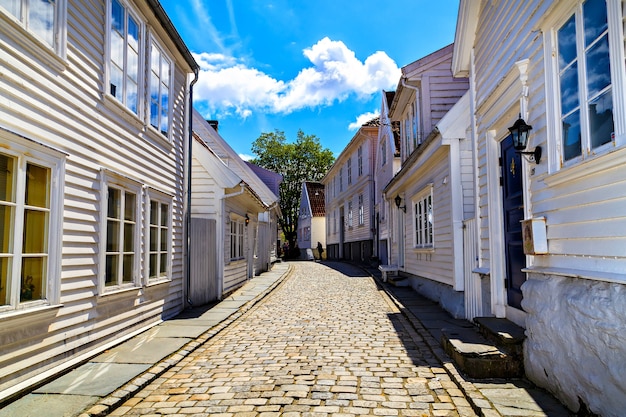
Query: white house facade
x,y
560,67
312,218
94,131
349,189
428,196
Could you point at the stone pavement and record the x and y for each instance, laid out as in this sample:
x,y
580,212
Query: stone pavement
x,y
328,342
106,380
325,341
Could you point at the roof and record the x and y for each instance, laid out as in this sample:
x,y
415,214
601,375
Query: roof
x,y
269,178
315,191
374,122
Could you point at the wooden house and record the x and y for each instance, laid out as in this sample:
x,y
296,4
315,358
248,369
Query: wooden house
x,y
431,195
349,188
94,136
312,218
551,225
238,209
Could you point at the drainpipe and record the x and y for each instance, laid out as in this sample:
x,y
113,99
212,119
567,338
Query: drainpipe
x,y
188,200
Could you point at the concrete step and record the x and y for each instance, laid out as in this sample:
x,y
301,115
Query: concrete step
x,y
503,333
399,281
479,358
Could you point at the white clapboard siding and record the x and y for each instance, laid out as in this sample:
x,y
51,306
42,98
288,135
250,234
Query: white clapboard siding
x,y
66,109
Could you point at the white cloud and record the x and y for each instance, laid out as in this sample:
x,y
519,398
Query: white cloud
x,y
362,119
246,157
226,85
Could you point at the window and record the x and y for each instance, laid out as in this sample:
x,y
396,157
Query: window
x,y
29,227
407,137
350,214
423,212
160,68
414,123
361,211
585,86
340,179
236,239
159,238
121,237
383,151
38,17
360,160
349,168
124,64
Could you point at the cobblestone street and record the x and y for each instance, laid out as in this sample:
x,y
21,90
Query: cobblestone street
x,y
325,342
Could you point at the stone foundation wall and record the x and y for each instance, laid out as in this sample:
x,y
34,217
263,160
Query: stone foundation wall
x,y
576,341
452,301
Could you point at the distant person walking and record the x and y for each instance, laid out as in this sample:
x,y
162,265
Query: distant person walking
x,y
320,250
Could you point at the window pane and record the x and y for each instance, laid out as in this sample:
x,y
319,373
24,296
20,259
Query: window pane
x,y
154,101
113,208
31,285
4,280
129,230
36,186
133,34
6,178
117,49
152,273
154,236
164,111
165,71
154,212
571,136
6,229
129,206
116,88
131,95
165,210
113,236
163,264
567,43
117,16
569,89
598,67
110,272
595,21
35,231
601,119
163,240
13,6
127,272
41,19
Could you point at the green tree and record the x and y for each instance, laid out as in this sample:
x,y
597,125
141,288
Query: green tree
x,y
303,160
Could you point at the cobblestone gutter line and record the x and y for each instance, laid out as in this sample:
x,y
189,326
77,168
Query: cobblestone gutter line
x,y
112,401
481,405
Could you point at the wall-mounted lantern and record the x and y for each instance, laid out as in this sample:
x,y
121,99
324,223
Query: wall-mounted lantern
x,y
247,219
398,201
520,131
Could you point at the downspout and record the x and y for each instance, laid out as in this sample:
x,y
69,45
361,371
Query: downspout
x,y
189,162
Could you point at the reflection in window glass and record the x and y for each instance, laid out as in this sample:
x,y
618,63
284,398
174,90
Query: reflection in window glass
x,y
124,56
37,16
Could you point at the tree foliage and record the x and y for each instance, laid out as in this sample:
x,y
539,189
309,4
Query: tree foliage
x,y
299,161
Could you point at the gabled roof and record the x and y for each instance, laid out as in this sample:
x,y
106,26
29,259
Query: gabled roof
x,y
315,193
270,178
232,160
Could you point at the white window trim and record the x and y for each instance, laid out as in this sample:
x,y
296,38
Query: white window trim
x,y
240,221
55,55
361,211
420,197
153,40
117,180
161,197
30,151
141,93
618,81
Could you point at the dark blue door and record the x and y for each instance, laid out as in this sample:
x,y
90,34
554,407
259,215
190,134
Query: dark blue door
x,y
513,206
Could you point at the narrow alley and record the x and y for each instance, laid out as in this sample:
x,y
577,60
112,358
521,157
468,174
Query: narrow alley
x,y
327,341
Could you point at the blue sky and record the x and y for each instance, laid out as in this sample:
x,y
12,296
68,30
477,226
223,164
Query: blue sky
x,y
319,66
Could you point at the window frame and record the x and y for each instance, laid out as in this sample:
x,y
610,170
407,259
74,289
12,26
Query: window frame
x,y
25,152
238,242
350,217
120,182
616,10
130,11
349,170
360,160
361,211
423,237
13,26
153,42
161,198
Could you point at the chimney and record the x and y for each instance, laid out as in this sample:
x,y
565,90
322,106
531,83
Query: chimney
x,y
214,124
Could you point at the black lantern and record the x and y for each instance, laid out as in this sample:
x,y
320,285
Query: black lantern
x,y
398,201
520,131
247,219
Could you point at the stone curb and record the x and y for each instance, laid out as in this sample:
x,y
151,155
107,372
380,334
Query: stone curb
x,y
115,399
481,405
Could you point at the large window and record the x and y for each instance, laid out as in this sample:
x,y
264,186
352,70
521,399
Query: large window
x,y
349,213
423,219
361,211
124,52
160,68
349,168
360,160
28,230
585,85
159,239
36,16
